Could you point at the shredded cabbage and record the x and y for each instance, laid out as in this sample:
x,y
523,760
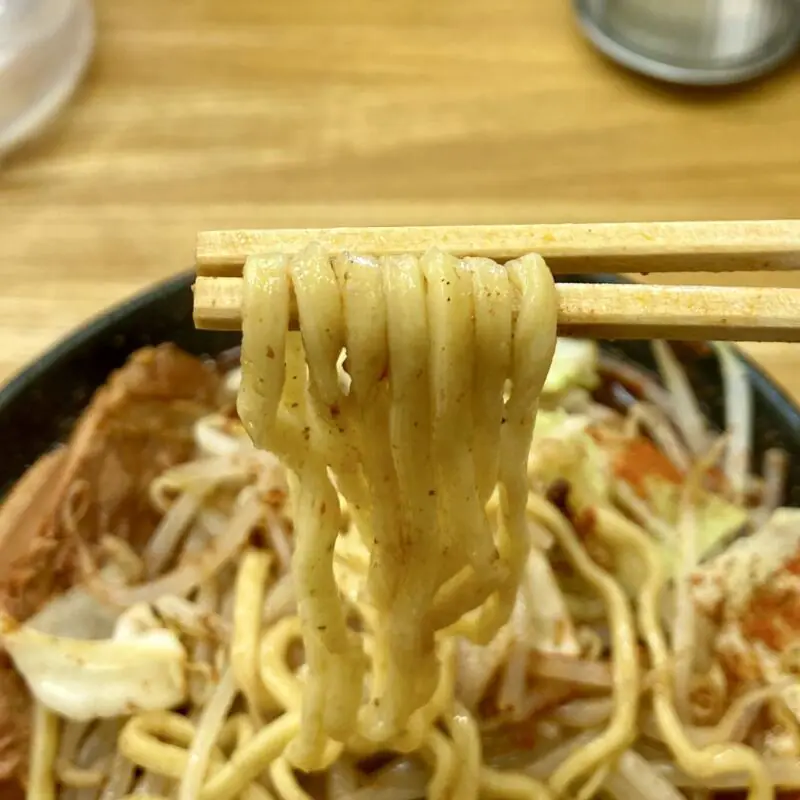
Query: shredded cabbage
x,y
717,520
563,449
76,614
574,365
142,667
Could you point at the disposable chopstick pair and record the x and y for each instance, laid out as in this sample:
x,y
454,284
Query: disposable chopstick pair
x,y
622,311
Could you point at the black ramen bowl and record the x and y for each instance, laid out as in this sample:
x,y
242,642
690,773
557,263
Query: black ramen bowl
x,y
40,405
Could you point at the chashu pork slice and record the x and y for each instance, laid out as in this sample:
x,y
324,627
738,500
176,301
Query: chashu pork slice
x,y
136,426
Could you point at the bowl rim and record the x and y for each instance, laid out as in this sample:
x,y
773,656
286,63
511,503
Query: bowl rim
x,y
96,325
102,325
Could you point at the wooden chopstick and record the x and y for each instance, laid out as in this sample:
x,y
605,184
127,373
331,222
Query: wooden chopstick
x,y
620,311
603,311
568,248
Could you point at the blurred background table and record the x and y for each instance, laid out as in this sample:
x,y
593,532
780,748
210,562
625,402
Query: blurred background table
x,y
208,114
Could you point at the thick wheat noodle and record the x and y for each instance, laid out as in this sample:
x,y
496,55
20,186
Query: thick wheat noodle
x,y
247,763
592,786
423,718
332,652
621,730
79,777
284,781
243,730
410,441
250,589
467,744
394,692
533,345
493,344
705,762
279,680
450,310
272,406
411,390
412,317
41,772
473,777
437,750
464,590
146,741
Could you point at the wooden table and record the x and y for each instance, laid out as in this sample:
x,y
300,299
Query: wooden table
x,y
209,114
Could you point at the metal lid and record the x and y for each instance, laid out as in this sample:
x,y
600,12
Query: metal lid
x,y
700,42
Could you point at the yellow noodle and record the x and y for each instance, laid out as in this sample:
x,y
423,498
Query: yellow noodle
x,y
438,752
532,351
467,748
409,448
229,733
701,763
423,718
393,689
464,529
142,741
44,748
251,582
245,730
277,677
146,741
493,328
591,787
407,397
276,419
416,456
79,777
246,763
284,781
621,730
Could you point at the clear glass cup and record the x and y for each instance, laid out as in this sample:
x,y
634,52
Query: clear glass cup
x,y
44,48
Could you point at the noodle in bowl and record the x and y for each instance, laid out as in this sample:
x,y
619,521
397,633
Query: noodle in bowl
x,y
158,617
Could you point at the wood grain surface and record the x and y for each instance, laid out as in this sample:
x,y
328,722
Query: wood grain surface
x,y
244,113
